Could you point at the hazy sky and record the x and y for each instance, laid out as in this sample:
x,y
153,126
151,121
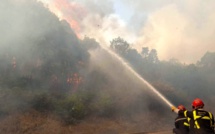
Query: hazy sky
x,y
180,29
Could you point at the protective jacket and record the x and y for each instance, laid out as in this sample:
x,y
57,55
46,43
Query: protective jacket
x,y
201,121
181,125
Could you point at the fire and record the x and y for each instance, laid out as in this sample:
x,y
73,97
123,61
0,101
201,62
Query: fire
x,y
75,80
72,12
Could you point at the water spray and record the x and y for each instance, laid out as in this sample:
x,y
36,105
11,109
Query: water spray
x,y
125,64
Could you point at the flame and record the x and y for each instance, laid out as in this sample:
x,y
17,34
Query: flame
x,y
74,80
72,12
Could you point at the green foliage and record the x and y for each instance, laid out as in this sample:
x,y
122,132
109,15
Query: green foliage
x,y
119,45
74,108
43,103
104,106
71,110
14,100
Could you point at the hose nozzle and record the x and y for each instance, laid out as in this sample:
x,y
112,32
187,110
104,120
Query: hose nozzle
x,y
173,108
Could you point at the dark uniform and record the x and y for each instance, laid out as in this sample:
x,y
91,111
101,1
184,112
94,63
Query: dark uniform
x,y
181,125
201,121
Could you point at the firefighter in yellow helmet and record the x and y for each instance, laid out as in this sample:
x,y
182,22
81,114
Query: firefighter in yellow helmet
x,y
181,123
201,121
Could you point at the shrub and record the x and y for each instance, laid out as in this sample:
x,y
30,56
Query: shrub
x,y
71,110
104,106
43,103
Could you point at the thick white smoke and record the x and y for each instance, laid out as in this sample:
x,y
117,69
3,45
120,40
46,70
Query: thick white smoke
x,y
176,29
182,30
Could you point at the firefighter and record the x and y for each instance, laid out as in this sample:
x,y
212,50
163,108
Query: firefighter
x,y
181,123
201,121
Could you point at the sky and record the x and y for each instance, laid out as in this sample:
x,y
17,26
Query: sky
x,y
177,29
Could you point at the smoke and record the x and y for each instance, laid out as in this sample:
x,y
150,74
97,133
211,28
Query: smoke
x,y
96,19
33,37
181,30
35,51
19,28
130,95
173,28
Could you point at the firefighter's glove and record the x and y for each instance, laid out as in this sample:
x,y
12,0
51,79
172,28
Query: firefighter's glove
x,y
173,108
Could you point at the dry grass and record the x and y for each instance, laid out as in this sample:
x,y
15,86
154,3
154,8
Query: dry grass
x,y
37,123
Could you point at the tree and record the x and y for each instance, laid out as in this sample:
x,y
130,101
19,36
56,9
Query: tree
x,y
89,43
119,45
153,57
208,60
145,52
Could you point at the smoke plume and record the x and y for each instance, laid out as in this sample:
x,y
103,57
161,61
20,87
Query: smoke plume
x,y
173,28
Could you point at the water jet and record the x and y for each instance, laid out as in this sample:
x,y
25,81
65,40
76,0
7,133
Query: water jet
x,y
127,66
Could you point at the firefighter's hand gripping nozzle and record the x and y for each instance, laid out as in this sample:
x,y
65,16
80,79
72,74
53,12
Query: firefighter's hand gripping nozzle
x,y
173,108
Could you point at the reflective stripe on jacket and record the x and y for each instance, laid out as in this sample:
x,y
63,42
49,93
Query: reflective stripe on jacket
x,y
201,121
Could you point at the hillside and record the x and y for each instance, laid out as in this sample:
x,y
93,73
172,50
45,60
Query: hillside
x,y
54,82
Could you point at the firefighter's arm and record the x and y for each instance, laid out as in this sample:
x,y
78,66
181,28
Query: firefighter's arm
x,y
174,109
